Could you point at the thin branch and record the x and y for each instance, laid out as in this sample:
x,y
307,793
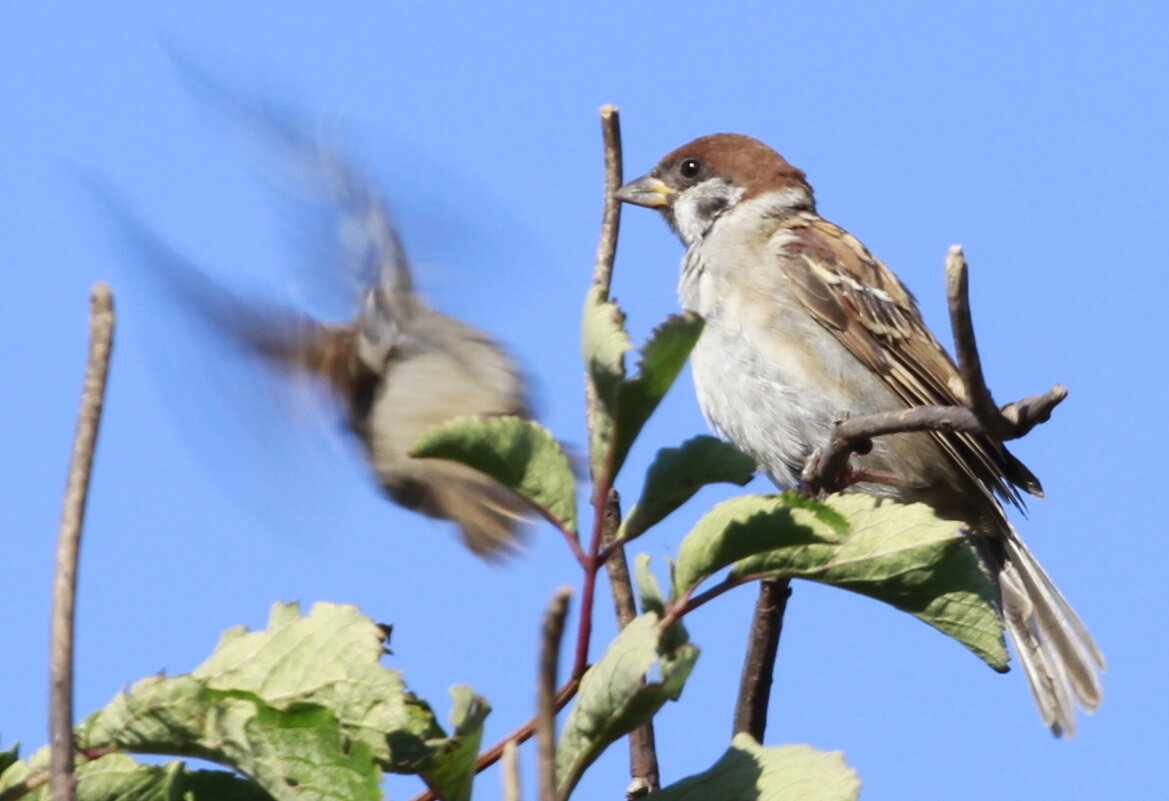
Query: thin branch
x,y
591,561
607,240
620,584
1013,420
510,771
828,470
569,537
611,216
101,340
759,665
643,758
602,480
550,635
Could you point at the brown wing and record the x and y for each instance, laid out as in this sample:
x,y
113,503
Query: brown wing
x,y
857,298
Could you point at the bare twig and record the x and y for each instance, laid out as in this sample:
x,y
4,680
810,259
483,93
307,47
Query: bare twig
x,y
827,468
759,666
620,584
591,560
550,635
602,479
101,339
611,216
607,240
643,758
1013,420
510,771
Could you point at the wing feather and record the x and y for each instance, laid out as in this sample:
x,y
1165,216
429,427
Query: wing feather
x,y
856,297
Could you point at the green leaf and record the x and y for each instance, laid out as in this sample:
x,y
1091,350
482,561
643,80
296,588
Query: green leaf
x,y
453,772
662,358
650,595
751,772
604,343
520,454
623,405
117,777
902,554
9,757
748,525
648,591
615,697
677,473
304,708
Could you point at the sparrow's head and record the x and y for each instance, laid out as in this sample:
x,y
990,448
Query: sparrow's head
x,y
697,183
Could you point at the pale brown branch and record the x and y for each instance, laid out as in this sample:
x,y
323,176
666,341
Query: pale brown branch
x,y
101,339
611,215
606,241
550,635
509,769
827,469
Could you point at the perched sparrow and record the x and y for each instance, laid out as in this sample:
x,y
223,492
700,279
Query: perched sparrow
x,y
398,368
803,323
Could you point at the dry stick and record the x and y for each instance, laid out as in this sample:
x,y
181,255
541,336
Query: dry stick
x,y
826,469
611,216
1015,419
101,340
510,771
550,635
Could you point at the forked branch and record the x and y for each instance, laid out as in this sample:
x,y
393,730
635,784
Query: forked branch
x,y
827,468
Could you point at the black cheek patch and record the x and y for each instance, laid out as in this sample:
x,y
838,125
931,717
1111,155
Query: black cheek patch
x,y
711,207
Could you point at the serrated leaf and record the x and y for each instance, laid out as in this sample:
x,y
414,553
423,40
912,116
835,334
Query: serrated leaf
x,y
614,696
520,454
331,657
751,772
117,777
662,358
748,525
623,405
677,473
902,554
604,343
304,708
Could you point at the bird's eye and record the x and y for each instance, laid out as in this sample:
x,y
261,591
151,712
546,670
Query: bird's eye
x,y
690,168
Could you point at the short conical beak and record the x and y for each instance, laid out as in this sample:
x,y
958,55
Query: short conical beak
x,y
646,191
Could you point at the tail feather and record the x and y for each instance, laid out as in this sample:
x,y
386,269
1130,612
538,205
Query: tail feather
x,y
1059,656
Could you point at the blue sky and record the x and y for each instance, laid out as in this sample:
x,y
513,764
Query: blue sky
x,y
1032,133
